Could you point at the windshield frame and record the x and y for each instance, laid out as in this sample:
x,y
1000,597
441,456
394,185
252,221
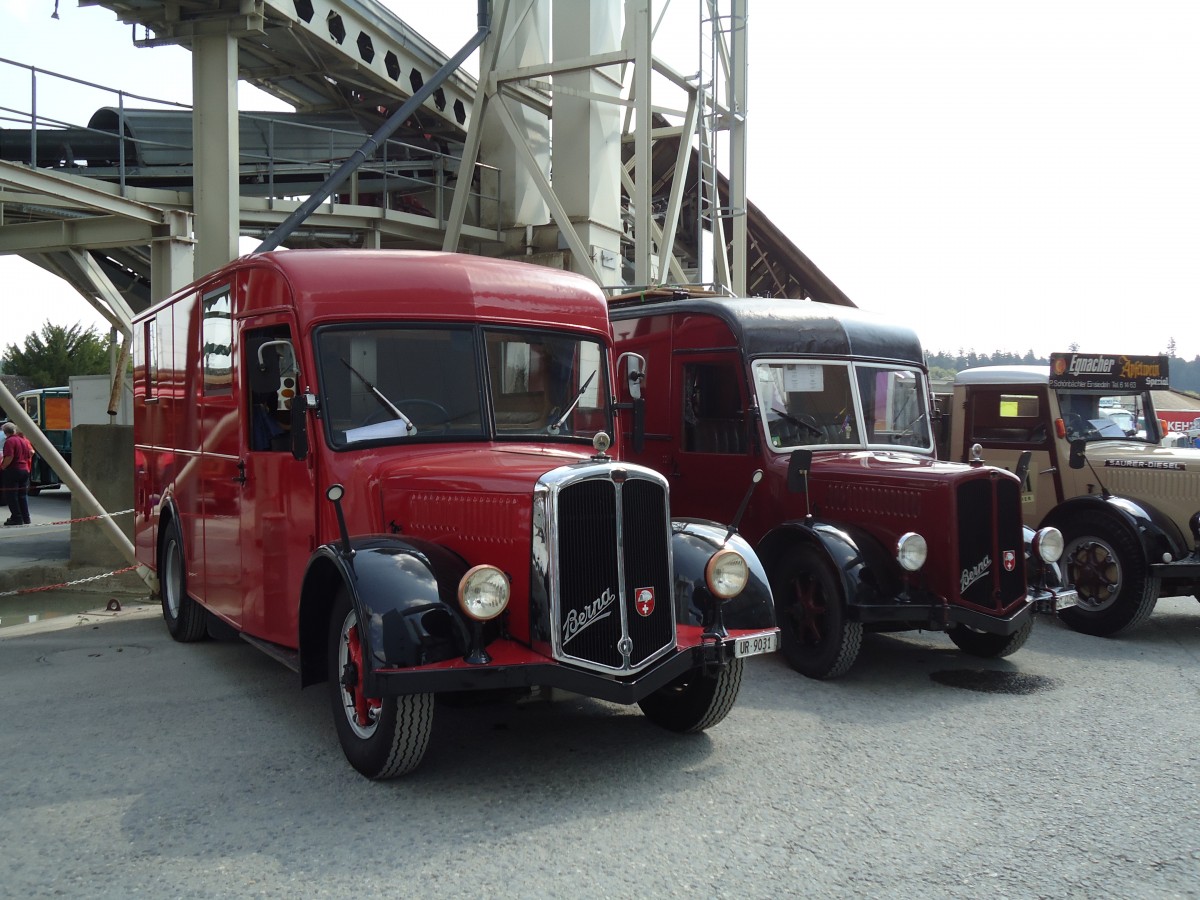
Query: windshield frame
x,y
464,375
838,430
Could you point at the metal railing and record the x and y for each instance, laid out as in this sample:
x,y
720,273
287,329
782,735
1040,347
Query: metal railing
x,y
282,156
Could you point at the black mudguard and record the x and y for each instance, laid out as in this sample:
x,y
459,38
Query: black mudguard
x,y
1156,533
405,590
693,543
869,574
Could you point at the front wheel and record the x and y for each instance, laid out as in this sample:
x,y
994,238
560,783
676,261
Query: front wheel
x,y
381,737
817,637
988,645
1110,573
185,618
696,701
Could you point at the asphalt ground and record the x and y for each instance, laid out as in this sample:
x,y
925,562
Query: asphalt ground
x,y
136,766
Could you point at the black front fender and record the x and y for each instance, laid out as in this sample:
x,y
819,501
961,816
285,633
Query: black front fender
x,y
1155,533
405,592
693,543
869,574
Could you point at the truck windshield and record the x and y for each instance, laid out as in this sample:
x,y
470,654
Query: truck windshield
x,y
400,384
1096,416
842,404
546,384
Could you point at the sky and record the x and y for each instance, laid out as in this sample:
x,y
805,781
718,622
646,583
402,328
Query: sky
x,y
1010,176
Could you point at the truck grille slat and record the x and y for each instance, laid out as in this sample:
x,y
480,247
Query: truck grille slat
x,y
991,564
613,546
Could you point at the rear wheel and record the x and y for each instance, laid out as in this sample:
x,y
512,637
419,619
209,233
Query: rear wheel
x,y
986,644
818,640
1106,565
381,737
696,701
185,618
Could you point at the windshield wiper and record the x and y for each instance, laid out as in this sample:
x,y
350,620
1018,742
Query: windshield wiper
x,y
788,417
384,401
553,429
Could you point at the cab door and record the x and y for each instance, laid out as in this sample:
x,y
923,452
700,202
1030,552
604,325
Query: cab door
x,y
1007,421
278,498
713,463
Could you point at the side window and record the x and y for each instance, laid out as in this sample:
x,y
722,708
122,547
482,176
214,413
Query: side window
x,y
271,380
1002,416
31,409
216,352
713,420
149,350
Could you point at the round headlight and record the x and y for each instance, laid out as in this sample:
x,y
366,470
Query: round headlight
x,y
911,551
726,574
483,593
1048,544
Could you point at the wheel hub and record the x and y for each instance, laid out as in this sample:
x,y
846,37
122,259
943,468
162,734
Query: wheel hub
x,y
1096,573
807,610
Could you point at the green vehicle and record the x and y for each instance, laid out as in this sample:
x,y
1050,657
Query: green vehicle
x,y
50,409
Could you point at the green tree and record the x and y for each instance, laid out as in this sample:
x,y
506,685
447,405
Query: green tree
x,y
50,357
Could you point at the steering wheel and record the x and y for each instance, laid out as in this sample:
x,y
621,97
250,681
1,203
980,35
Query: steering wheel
x,y
382,415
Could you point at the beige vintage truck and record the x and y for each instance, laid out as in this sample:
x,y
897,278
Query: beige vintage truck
x,y
1128,508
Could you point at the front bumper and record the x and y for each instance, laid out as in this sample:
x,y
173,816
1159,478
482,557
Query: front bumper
x,y
514,665
1186,568
932,614
1052,600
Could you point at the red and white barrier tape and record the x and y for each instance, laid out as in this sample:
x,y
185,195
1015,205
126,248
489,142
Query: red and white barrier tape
x,y
67,584
9,528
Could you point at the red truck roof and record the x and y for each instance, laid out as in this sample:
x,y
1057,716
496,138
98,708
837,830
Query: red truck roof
x,y
365,284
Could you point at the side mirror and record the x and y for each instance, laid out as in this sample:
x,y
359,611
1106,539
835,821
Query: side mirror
x,y
798,466
631,372
631,369
1022,469
301,404
1076,460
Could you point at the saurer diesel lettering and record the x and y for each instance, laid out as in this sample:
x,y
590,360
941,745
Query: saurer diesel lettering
x,y
1098,466
392,471
859,526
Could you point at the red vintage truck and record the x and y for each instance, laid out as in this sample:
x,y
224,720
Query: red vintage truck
x,y
859,526
391,471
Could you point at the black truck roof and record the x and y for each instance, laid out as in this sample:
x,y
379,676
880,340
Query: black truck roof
x,y
767,326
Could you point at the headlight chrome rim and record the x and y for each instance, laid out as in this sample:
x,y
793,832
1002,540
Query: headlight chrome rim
x,y
483,593
1048,544
911,551
726,574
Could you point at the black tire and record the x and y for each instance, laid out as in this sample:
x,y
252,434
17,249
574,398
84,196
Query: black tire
x,y
988,645
696,701
393,739
1105,563
817,638
185,618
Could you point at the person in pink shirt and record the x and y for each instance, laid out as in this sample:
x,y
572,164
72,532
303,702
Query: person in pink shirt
x,y
16,464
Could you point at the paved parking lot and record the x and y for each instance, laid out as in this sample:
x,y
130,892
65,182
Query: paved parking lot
x,y
137,766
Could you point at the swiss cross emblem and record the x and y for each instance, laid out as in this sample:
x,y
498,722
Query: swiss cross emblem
x,y
1010,560
644,601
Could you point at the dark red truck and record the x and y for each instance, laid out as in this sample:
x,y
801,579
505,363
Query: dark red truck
x,y
860,527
